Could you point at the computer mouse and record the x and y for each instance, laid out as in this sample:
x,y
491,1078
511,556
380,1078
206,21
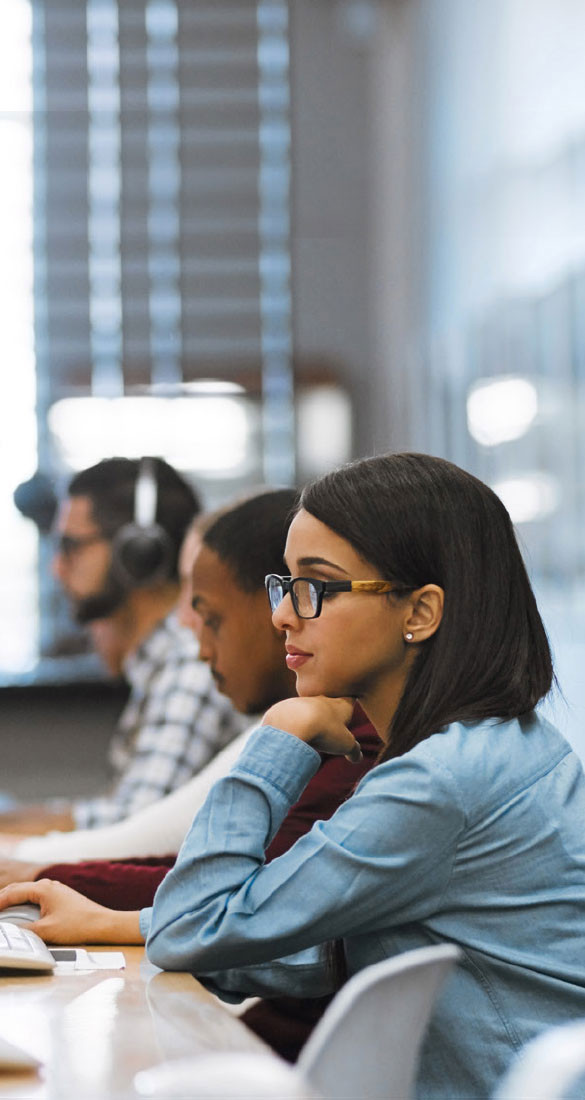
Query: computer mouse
x,y
22,914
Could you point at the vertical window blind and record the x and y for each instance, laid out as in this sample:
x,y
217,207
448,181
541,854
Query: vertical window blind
x,y
161,202
161,223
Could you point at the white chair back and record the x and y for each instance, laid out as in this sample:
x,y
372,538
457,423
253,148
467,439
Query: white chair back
x,y
549,1067
366,1045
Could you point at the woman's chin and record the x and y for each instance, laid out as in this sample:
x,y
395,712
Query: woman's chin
x,y
308,686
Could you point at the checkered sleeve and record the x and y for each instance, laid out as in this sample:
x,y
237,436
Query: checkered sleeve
x,y
174,723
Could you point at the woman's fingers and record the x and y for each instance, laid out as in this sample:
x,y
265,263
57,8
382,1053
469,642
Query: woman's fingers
x,y
17,892
355,755
60,909
337,740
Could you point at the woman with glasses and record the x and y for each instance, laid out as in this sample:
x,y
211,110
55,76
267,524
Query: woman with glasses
x,y
408,593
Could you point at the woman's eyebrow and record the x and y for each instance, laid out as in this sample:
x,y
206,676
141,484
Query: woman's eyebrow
x,y
306,562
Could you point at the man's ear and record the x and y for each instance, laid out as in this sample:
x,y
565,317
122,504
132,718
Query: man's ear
x,y
425,612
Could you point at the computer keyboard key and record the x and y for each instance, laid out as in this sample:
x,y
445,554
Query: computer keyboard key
x,y
22,949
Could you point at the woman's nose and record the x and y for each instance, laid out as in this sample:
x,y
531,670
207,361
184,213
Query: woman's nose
x,y
284,615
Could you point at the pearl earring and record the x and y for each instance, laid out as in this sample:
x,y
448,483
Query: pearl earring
x,y
408,637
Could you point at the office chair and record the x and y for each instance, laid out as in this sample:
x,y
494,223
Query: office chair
x,y
366,1044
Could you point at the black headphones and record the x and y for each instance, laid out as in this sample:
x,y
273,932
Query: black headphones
x,y
142,551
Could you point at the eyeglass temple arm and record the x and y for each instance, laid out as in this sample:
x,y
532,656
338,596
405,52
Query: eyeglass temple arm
x,y
371,586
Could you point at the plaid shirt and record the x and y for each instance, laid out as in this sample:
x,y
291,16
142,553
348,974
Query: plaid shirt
x,y
175,721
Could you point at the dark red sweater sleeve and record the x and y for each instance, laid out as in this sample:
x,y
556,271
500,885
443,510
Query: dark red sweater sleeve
x,y
117,884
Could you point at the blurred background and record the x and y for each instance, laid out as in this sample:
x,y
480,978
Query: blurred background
x,y
262,238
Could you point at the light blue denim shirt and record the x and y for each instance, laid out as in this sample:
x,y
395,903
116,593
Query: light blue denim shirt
x,y
474,837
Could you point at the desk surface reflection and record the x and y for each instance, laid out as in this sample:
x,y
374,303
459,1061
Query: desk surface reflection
x,y
92,1031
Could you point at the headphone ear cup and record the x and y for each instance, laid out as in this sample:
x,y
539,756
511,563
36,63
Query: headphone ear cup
x,y
141,555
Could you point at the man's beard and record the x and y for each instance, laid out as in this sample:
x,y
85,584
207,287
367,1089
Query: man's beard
x,y
101,604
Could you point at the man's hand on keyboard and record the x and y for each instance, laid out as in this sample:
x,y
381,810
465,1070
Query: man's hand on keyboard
x,y
68,917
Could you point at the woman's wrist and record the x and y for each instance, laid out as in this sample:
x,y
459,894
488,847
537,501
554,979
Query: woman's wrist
x,y
293,718
114,926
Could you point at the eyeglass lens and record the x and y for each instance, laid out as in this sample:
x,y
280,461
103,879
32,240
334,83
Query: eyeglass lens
x,y
304,595
275,592
306,598
68,545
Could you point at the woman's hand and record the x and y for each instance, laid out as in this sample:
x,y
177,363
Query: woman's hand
x,y
319,721
68,917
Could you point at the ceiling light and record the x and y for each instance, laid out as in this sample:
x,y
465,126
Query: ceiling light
x,y
501,409
530,496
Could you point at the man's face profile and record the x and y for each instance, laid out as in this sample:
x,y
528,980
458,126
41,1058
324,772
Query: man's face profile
x,y
82,562
237,638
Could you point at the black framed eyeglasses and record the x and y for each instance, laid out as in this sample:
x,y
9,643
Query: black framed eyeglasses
x,y
68,545
307,593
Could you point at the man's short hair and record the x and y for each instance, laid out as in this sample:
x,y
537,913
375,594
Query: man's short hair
x,y
250,537
111,485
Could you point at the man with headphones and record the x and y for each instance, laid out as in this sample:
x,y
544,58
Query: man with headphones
x,y
119,535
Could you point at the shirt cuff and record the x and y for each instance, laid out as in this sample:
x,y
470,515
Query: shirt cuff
x,y
280,759
144,920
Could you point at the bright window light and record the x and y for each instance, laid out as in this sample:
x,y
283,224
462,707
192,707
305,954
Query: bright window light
x,y
501,409
18,437
201,387
529,497
207,386
206,434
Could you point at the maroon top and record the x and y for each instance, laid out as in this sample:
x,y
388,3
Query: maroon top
x,y
117,884
283,1022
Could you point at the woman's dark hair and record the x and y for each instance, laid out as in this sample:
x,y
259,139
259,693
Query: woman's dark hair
x,y
111,487
250,536
421,520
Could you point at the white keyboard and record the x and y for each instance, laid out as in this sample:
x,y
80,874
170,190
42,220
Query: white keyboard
x,y
21,949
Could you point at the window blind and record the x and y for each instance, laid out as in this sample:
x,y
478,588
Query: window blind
x,y
161,202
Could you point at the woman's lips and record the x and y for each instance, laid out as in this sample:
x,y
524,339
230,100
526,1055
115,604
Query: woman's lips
x,y
296,658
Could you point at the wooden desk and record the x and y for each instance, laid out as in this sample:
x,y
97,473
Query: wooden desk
x,y
94,1030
